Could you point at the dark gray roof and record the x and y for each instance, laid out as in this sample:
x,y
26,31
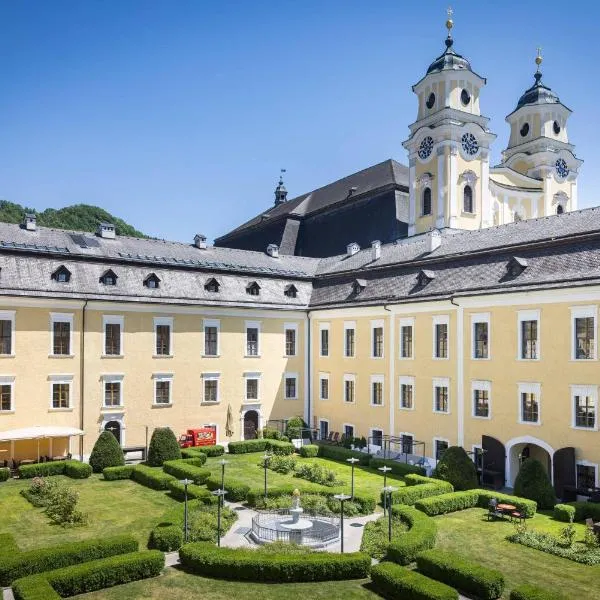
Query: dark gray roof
x,y
449,60
538,93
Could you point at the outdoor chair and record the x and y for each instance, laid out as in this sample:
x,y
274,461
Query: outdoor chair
x,y
589,523
336,437
517,516
329,438
493,512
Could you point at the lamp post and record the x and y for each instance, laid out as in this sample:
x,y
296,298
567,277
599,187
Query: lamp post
x,y
390,489
185,483
223,463
266,459
221,497
352,461
384,470
342,498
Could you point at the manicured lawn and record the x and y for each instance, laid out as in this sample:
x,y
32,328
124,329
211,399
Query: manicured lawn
x,y
114,507
177,585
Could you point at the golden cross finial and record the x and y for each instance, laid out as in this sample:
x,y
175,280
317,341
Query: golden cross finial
x,y
538,58
449,21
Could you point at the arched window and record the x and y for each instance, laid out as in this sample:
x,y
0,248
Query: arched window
x,y
468,199
559,209
427,201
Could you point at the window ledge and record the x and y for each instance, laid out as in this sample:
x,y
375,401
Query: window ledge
x,y
530,423
112,356
7,355
61,356
406,408
584,360
252,356
440,358
290,355
7,412
481,418
577,428
118,408
60,410
377,405
210,403
251,401
440,412
474,358
290,398
162,356
211,356
529,360
162,405
469,215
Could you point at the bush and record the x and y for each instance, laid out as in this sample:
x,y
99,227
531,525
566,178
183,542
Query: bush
x,y
62,507
194,492
114,473
91,576
533,482
194,453
43,559
106,453
163,446
294,428
420,536
248,446
78,470
394,581
317,473
215,450
531,592
280,464
457,468
152,478
270,433
309,451
40,491
527,507
582,511
375,539
410,494
184,469
255,565
236,491
167,538
342,454
465,575
4,473
280,447
398,468
42,469
564,512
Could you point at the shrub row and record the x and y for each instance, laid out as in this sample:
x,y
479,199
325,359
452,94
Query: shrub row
x,y
204,558
398,468
166,537
309,451
465,575
4,473
412,493
531,592
115,473
236,491
152,477
420,536
77,470
90,576
578,510
194,492
527,507
215,450
394,581
194,453
71,468
187,468
343,454
275,446
22,564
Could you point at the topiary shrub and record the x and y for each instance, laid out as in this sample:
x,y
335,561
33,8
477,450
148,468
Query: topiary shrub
x,y
394,581
533,482
106,453
163,446
457,468
4,473
115,473
532,592
565,513
309,451
77,470
41,469
166,537
583,510
294,428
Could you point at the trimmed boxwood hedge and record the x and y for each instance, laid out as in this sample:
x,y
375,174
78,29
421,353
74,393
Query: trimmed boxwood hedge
x,y
275,446
194,492
204,558
187,468
420,536
115,473
465,575
394,581
90,576
565,512
77,470
412,493
398,468
343,454
579,510
22,564
527,507
163,446
194,453
4,473
215,450
531,592
106,452
166,537
152,477
309,451
236,491
72,468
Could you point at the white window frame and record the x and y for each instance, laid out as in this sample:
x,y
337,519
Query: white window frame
x,y
252,325
473,448
406,322
163,377
113,320
438,439
371,430
211,323
321,420
290,327
441,382
485,386
64,379
348,377
584,390
211,377
256,376
407,433
587,463
527,387
528,315
481,318
406,380
440,320
582,312
324,377
344,425
163,321
61,318
287,376
377,324
113,378
349,325
324,327
377,379
9,380
9,315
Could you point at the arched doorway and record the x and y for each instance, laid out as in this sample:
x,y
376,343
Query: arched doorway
x,y
115,428
250,425
520,449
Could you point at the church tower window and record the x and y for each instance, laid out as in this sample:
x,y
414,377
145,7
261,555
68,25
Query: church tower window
x,y
427,201
468,199
560,210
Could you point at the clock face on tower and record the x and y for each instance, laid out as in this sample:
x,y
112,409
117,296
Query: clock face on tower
x,y
561,168
469,144
426,147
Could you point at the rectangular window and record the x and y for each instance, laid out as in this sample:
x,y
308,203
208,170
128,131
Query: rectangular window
x,y
585,347
251,388
377,390
440,447
290,341
61,395
481,403
440,342
162,391
441,397
529,400
6,330
291,385
529,339
376,437
324,387
61,338
349,431
349,340
406,339
211,337
585,406
480,339
349,386
163,328
406,395
407,442
112,393
324,340
252,339
586,476
323,429
211,387
377,339
112,339
6,404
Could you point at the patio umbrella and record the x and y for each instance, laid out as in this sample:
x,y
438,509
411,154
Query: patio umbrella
x,y
229,422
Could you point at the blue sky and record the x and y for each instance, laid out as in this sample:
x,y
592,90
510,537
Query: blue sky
x,y
177,115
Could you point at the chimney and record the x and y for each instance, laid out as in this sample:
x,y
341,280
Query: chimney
x,y
106,231
434,240
30,222
352,249
273,250
376,250
200,241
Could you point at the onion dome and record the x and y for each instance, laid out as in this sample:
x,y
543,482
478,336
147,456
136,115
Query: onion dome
x,y
280,190
538,93
449,60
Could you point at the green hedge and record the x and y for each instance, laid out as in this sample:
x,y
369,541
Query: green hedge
x,y
166,537
8,545
90,576
398,468
72,468
77,470
115,473
251,565
215,450
465,575
342,454
187,468
163,446
106,452
531,592
194,453
236,491
309,451
36,561
579,510
275,446
412,493
152,477
4,473
527,507
194,492
394,581
420,536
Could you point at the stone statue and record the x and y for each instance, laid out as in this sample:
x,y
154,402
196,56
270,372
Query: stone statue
x,y
296,499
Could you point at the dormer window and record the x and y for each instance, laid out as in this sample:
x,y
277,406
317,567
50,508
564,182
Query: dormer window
x,y
152,281
109,278
62,275
291,291
212,285
253,289
516,266
358,285
424,277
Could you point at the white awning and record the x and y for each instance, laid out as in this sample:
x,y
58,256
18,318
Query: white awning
x,y
36,433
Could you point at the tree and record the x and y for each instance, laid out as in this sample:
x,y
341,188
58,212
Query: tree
x,y
533,483
456,467
163,446
294,428
106,453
